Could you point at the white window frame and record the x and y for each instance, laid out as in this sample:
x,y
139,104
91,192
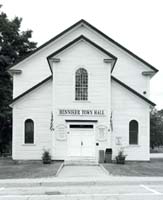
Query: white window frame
x,y
81,99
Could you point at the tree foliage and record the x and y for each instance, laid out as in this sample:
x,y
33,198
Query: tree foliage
x,y
156,128
14,45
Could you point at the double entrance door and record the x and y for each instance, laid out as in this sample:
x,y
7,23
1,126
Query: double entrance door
x,y
81,141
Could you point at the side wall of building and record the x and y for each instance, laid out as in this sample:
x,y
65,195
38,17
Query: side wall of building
x,y
37,106
126,106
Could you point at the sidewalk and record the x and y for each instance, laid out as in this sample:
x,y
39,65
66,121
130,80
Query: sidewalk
x,y
72,181
83,171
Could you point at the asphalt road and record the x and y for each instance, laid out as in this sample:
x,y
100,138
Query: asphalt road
x,y
127,191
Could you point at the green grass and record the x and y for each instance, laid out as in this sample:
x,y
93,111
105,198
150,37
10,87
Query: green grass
x,y
153,168
31,169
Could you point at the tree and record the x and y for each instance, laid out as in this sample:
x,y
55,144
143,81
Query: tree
x,y
156,128
14,45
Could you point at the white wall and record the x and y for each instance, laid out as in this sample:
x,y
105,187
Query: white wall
x,y
39,103
126,107
86,56
35,68
37,106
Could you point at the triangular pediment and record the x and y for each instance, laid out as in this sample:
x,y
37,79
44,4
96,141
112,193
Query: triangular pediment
x,y
53,57
126,63
83,23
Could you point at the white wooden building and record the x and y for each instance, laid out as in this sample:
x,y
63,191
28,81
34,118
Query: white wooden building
x,y
79,93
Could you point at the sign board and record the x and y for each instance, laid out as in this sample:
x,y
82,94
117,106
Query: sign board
x,y
61,132
83,112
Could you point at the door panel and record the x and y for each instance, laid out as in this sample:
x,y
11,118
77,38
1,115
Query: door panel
x,y
88,146
74,144
81,142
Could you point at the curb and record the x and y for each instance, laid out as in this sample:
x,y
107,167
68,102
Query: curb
x,y
59,170
104,170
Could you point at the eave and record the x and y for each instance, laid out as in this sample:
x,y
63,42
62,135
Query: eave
x,y
31,89
148,73
133,91
14,71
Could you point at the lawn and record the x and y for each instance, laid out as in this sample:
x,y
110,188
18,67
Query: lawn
x,y
153,168
35,169
31,169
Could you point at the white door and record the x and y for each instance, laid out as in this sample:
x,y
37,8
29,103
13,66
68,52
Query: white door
x,y
87,143
74,144
81,142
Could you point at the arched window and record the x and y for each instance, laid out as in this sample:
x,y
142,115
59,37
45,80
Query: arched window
x,y
29,131
81,84
133,132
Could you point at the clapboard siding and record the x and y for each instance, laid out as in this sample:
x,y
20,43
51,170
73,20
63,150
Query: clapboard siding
x,y
85,56
59,93
126,67
36,106
98,75
126,107
35,68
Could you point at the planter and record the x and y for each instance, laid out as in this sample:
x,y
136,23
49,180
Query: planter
x,y
46,157
120,160
46,161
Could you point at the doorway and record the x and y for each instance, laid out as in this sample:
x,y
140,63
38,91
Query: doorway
x,y
81,141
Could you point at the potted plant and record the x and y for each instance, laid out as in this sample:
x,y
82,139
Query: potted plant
x,y
120,158
46,157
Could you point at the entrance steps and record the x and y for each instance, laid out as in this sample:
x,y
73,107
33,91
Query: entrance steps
x,y
86,161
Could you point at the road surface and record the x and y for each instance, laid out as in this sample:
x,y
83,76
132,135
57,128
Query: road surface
x,y
120,191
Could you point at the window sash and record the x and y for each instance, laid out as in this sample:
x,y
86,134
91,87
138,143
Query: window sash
x,y
133,132
133,137
81,84
29,132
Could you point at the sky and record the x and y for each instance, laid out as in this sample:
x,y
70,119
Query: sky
x,y
136,24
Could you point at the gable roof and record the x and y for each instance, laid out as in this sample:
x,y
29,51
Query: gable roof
x,y
31,89
82,37
133,91
98,31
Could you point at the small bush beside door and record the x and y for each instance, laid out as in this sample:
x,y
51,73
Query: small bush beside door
x,y
46,157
